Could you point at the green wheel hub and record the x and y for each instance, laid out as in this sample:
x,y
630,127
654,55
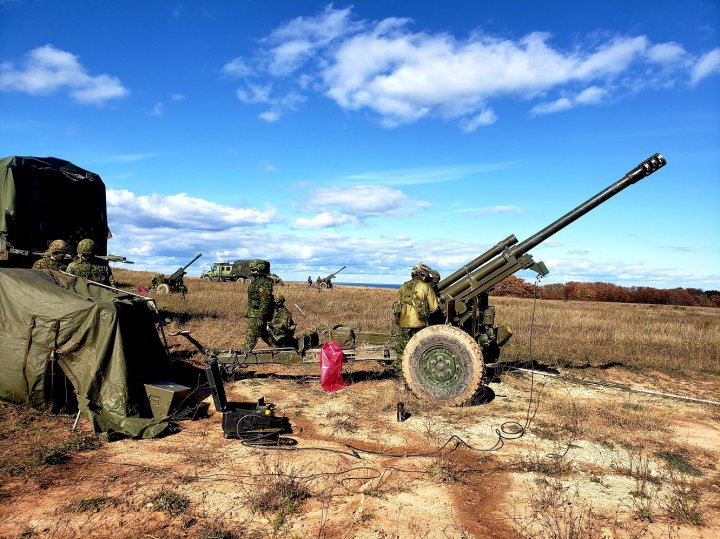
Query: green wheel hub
x,y
441,367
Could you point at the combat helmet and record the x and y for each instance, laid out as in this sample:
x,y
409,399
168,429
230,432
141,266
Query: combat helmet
x,y
279,299
420,270
261,266
426,273
58,246
86,247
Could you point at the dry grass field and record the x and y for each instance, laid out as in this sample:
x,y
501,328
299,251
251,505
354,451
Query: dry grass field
x,y
539,457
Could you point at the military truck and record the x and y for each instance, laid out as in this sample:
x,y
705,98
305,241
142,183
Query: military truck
x,y
220,271
239,271
446,361
43,199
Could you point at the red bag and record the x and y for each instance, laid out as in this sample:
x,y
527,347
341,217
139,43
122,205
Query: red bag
x,y
331,359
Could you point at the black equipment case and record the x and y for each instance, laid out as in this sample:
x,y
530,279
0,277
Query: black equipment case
x,y
248,421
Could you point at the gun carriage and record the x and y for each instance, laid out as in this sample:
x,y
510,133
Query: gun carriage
x,y
174,283
446,362
327,281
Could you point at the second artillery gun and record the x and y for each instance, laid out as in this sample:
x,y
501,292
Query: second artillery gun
x,y
327,281
174,283
446,362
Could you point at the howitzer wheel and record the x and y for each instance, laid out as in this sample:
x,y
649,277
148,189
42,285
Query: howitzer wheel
x,y
443,363
163,288
323,284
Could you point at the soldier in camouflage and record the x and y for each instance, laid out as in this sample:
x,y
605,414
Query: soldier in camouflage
x,y
282,327
416,305
55,257
260,304
88,266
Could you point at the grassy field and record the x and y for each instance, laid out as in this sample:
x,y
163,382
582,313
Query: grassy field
x,y
672,340
574,461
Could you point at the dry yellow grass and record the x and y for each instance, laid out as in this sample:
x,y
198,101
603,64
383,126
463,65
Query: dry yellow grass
x,y
669,339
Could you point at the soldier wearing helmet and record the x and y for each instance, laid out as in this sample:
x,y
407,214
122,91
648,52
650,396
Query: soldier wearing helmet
x,y
54,258
282,326
260,303
416,304
88,266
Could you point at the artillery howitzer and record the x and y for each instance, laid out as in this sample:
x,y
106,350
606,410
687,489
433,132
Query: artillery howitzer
x,y
327,281
446,361
174,283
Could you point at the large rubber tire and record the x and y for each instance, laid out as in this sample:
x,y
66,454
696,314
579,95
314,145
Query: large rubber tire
x,y
163,288
323,284
443,363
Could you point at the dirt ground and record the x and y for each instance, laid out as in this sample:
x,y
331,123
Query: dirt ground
x,y
510,466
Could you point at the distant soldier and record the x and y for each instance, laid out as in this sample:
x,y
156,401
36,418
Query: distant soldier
x,y
309,281
55,257
260,303
88,266
157,281
416,304
282,326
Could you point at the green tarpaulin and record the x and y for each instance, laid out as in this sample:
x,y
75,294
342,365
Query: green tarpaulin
x,y
105,343
44,199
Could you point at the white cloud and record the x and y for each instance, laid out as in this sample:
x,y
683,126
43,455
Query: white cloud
x,y
158,109
237,67
324,220
47,70
402,76
339,206
366,200
494,210
666,52
269,116
180,211
426,175
296,41
486,117
589,96
707,65
254,93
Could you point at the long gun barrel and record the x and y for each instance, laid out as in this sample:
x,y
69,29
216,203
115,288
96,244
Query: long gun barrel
x,y
508,256
332,275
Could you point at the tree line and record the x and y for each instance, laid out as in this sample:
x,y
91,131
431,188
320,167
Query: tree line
x,y
599,291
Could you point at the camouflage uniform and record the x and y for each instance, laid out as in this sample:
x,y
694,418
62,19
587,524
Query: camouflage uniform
x,y
87,266
55,258
416,304
282,327
260,304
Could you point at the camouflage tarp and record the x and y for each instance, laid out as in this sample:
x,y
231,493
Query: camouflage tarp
x,y
105,343
43,199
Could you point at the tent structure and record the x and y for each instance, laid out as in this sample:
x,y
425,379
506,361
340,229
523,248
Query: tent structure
x,y
43,199
62,337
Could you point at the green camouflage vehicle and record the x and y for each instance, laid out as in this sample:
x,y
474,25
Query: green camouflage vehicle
x,y
239,271
220,271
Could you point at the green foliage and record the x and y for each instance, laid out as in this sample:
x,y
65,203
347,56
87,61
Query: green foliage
x,y
169,501
678,461
92,505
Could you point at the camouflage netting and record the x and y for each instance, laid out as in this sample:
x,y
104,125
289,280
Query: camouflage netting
x,y
54,326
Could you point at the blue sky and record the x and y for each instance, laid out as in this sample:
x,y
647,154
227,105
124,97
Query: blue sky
x,y
379,134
